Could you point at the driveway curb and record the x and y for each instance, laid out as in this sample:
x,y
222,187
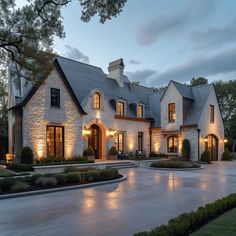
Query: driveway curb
x,y
36,192
177,169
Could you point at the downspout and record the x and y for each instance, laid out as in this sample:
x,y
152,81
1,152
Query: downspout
x,y
198,144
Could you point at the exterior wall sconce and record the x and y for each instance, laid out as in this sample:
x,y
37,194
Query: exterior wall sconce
x,y
111,132
86,131
205,140
225,140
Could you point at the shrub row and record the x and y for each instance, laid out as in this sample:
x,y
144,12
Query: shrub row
x,y
18,167
187,223
50,180
174,164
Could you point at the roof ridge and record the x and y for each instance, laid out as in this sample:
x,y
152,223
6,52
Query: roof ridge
x,y
180,83
202,85
80,62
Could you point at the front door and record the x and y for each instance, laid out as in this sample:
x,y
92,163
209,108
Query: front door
x,y
212,147
94,140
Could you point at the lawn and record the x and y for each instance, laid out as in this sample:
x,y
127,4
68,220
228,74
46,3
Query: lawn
x,y
224,225
5,172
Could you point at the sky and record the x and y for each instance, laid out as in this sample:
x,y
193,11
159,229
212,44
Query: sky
x,y
159,40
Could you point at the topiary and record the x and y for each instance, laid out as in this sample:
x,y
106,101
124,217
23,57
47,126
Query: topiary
x,y
46,181
186,150
94,175
27,155
73,177
89,151
226,156
61,178
205,157
113,151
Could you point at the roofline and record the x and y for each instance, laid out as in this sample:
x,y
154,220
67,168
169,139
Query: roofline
x,y
61,73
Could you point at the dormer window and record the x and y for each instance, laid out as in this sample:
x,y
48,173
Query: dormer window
x,y
121,108
171,112
212,113
55,97
140,111
97,101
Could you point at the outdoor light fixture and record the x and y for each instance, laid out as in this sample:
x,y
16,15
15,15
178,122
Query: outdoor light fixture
x,y
111,132
205,140
225,140
86,131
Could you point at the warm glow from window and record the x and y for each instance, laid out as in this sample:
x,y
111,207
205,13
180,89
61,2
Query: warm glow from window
x,y
119,141
171,112
172,144
212,113
120,108
96,101
140,111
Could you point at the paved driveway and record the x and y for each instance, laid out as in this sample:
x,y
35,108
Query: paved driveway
x,y
146,199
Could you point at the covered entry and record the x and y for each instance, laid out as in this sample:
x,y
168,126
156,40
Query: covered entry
x,y
212,146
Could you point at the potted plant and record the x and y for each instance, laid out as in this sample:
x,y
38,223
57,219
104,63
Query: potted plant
x,y
113,153
89,153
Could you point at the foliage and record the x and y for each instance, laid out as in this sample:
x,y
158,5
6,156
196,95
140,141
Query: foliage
x,y
198,81
27,155
205,157
94,175
27,33
73,177
174,164
34,177
186,150
46,181
7,183
187,223
108,174
61,178
113,151
18,167
5,172
20,186
89,151
226,156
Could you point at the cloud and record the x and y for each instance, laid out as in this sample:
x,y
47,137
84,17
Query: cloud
x,y
134,62
219,64
142,76
214,37
75,54
158,27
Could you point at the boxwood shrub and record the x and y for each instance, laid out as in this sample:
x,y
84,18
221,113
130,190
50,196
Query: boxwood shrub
x,y
73,177
174,164
7,183
226,155
18,167
187,223
61,178
27,155
205,157
94,175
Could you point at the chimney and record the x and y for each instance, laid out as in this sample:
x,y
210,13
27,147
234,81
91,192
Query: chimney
x,y
116,69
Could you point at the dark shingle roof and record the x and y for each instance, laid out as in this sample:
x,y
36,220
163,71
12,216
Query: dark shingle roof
x,y
184,90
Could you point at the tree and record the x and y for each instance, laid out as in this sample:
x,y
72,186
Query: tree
x,y
198,81
27,33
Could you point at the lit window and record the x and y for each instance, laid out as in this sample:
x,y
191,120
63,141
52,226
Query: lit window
x,y
96,101
172,144
171,112
212,115
140,111
140,141
120,109
55,97
120,141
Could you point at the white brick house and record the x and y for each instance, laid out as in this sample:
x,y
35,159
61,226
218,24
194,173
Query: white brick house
x,y
78,104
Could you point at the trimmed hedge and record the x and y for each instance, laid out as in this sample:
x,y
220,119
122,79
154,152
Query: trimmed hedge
x,y
174,164
18,167
186,150
205,157
187,223
27,155
226,156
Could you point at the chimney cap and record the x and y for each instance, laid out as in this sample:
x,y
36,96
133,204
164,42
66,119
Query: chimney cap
x,y
116,63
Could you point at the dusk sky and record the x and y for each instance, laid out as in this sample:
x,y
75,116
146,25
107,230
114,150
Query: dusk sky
x,y
158,40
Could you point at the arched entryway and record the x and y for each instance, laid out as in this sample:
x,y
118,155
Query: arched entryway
x,y
95,140
212,146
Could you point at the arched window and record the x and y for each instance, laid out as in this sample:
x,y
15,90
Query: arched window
x,y
97,101
172,144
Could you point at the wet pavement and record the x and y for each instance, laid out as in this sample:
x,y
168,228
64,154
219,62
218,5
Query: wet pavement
x,y
146,199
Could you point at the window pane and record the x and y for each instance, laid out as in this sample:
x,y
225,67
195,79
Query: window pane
x,y
120,141
172,144
140,111
212,115
96,101
120,108
171,112
140,141
55,97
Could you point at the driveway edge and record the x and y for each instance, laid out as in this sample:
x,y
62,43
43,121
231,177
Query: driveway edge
x,y
36,192
177,169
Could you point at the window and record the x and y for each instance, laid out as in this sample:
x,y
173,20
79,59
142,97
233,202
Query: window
x,y
140,141
120,108
120,142
96,101
172,144
140,111
55,97
171,112
212,113
55,141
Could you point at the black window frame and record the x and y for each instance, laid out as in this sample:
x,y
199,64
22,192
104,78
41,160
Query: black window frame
x,y
140,141
172,149
55,97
